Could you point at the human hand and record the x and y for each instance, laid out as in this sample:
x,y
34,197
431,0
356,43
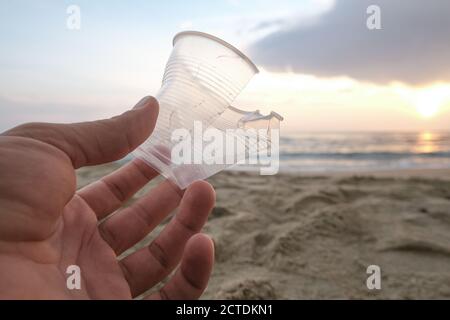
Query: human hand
x,y
46,225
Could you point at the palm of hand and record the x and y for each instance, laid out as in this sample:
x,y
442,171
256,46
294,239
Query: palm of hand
x,y
47,226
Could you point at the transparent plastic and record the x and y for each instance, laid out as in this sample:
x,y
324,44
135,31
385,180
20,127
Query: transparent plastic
x,y
203,76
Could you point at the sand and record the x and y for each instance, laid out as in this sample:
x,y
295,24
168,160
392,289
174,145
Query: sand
x,y
296,236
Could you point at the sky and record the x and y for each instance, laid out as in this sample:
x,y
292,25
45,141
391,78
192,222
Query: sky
x,y
320,65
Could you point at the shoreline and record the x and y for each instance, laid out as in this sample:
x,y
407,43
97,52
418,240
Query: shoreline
x,y
443,173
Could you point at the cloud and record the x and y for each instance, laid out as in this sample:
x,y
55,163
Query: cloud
x,y
412,47
245,22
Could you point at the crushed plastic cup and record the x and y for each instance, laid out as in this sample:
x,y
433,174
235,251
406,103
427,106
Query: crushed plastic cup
x,y
203,76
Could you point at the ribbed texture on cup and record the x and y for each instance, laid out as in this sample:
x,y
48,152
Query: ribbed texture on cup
x,y
184,68
191,90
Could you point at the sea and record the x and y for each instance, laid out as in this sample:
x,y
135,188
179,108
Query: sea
x,y
363,151
316,152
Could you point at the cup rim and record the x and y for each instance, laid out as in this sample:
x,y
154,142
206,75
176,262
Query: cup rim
x,y
222,42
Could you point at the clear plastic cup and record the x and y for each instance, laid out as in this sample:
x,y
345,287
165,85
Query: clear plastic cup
x,y
203,76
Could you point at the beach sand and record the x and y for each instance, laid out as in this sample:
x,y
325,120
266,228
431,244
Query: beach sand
x,y
313,236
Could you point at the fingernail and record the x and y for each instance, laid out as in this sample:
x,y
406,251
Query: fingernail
x,y
141,103
210,238
213,244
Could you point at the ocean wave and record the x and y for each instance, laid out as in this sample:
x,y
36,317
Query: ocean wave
x,y
364,155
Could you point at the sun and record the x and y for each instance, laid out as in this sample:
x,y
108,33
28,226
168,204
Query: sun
x,y
427,101
427,105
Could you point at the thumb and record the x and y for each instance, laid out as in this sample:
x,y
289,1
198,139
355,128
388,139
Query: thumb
x,y
96,142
